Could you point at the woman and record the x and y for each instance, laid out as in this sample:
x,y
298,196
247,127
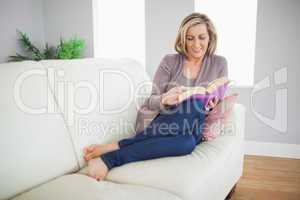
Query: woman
x,y
195,64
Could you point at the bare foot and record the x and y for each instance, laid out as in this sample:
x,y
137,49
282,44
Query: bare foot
x,y
97,169
96,150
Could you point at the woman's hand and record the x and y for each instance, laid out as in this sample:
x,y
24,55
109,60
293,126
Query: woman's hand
x,y
212,103
172,96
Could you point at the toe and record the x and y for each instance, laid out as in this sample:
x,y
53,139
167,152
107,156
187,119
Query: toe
x,y
99,178
91,147
88,149
91,155
85,150
87,157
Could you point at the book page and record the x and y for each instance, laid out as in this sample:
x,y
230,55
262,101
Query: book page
x,y
191,91
212,86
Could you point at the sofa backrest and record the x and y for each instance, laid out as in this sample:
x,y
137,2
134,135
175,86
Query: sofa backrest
x,y
34,143
99,98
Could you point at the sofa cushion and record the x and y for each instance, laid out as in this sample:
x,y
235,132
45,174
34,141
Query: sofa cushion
x,y
218,117
208,172
34,144
104,107
79,187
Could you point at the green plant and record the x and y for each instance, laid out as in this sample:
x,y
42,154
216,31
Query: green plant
x,y
33,52
70,49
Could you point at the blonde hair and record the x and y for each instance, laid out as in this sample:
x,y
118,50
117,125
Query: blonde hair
x,y
192,20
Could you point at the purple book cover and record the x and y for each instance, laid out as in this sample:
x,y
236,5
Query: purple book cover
x,y
219,93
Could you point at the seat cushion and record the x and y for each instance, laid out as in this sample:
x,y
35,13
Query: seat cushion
x,y
208,172
79,187
35,145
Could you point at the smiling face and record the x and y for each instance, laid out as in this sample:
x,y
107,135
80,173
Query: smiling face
x,y
197,39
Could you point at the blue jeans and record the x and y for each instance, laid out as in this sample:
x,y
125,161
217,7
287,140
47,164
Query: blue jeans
x,y
174,132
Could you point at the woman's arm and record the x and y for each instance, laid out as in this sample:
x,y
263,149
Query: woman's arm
x,y
223,67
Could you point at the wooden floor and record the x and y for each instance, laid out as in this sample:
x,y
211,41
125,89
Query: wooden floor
x,y
269,178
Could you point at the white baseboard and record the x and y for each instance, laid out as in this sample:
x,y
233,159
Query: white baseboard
x,y
272,149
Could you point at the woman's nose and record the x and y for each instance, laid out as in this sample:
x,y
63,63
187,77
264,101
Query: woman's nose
x,y
197,43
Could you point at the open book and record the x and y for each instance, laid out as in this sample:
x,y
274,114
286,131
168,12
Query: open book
x,y
215,88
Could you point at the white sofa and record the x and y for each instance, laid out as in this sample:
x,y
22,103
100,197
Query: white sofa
x,y
43,130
